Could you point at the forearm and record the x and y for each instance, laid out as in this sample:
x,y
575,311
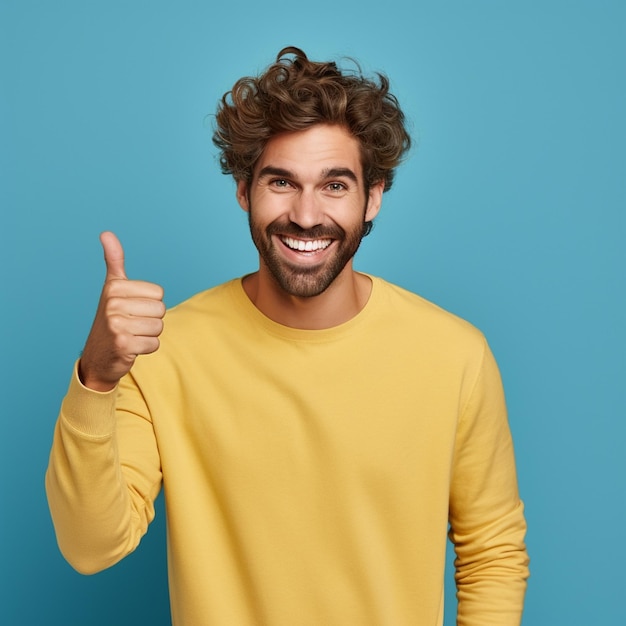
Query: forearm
x,y
491,572
98,516
486,514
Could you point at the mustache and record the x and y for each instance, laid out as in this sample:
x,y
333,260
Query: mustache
x,y
290,229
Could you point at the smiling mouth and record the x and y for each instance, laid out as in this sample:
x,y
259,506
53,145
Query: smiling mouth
x,y
309,245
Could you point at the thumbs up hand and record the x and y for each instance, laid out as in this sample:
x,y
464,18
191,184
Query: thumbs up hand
x,y
128,322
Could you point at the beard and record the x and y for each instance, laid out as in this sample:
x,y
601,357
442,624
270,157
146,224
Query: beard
x,y
310,280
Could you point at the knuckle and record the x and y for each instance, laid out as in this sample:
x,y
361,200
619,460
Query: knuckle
x,y
116,324
112,305
113,288
121,343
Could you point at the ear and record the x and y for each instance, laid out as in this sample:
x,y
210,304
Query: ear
x,y
374,200
242,195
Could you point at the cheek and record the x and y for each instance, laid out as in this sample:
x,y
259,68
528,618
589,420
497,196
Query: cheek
x,y
268,207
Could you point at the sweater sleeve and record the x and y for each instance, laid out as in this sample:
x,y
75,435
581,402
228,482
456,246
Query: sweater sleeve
x,y
487,525
103,476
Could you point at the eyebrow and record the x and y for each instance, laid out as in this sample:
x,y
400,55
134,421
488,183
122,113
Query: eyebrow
x,y
333,172
270,170
340,172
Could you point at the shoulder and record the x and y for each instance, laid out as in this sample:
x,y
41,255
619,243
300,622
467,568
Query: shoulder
x,y
197,325
416,314
207,309
204,302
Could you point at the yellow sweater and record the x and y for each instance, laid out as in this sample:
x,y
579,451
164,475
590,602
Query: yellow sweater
x,y
309,476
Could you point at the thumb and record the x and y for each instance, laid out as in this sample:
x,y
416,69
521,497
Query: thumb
x,y
113,256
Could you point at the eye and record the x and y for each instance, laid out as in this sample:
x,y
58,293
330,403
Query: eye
x,y
336,187
280,183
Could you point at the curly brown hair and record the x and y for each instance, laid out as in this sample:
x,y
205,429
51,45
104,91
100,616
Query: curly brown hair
x,y
294,94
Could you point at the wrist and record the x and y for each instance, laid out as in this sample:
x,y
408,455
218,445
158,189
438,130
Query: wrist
x,y
91,382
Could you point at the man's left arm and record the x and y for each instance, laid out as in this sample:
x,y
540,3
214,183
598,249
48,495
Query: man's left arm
x,y
487,524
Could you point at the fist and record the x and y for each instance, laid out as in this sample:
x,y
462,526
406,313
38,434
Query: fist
x,y
128,322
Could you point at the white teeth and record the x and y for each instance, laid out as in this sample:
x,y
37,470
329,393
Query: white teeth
x,y
306,246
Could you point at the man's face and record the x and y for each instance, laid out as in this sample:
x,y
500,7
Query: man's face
x,y
306,207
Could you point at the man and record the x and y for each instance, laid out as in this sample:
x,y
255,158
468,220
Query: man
x,y
317,430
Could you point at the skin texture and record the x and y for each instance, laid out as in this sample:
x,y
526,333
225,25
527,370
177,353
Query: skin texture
x,y
308,186
128,322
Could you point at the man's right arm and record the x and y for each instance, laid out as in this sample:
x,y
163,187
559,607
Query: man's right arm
x,y
104,470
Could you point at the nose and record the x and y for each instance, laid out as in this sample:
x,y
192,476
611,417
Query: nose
x,y
306,209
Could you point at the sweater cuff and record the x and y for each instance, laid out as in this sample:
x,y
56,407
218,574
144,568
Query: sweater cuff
x,y
92,413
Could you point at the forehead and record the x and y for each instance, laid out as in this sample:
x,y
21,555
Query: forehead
x,y
312,151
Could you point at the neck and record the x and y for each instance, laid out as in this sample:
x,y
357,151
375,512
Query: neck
x,y
342,301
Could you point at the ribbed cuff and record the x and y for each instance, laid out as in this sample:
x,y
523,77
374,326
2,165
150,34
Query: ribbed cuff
x,y
90,412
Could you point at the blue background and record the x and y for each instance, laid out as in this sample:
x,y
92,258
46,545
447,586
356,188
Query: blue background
x,y
509,212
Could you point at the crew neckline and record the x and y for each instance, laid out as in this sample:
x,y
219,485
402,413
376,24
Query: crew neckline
x,y
250,311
